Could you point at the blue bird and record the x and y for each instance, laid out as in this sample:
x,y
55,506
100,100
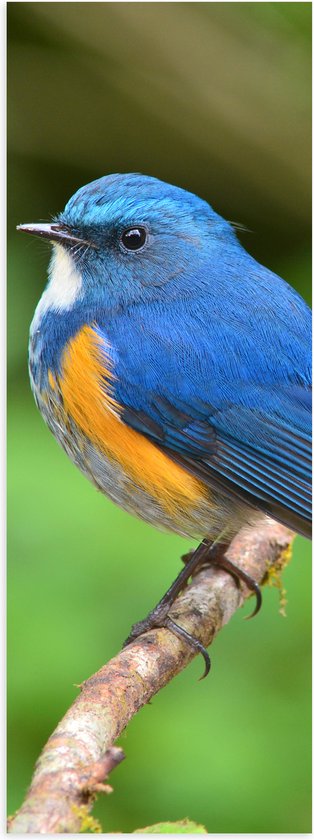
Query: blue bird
x,y
173,368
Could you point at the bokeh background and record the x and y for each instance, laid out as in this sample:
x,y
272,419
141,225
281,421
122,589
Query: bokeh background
x,y
214,97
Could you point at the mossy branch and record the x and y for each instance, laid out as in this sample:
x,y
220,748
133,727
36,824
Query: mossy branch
x,y
80,754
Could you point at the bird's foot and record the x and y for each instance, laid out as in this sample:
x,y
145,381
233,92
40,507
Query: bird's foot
x,y
217,557
160,618
205,555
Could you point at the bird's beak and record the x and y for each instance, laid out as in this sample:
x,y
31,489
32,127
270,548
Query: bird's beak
x,y
55,233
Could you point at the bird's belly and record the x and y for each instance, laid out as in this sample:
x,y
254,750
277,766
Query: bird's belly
x,y
112,479
205,517
121,462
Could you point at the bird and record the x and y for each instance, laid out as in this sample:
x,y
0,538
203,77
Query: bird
x,y
173,368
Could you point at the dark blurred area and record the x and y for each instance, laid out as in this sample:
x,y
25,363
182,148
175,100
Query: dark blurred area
x,y
216,98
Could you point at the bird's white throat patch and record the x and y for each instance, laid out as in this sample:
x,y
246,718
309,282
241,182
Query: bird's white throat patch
x,y
64,286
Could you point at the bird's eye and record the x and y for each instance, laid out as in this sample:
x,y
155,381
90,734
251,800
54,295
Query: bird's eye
x,y
134,238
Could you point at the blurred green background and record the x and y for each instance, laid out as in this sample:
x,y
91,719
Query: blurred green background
x,y
214,97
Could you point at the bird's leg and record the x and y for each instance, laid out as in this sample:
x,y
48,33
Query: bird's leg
x,y
158,617
205,554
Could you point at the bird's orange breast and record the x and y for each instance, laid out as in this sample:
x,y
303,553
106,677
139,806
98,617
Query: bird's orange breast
x,y
86,388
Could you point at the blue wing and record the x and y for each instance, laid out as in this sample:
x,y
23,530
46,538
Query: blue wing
x,y
225,391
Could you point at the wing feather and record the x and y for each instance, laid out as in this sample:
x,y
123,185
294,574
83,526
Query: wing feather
x,y
273,475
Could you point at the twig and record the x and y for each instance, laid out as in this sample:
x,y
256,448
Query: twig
x,y
80,753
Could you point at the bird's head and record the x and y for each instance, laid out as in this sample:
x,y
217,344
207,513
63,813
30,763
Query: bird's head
x,y
130,238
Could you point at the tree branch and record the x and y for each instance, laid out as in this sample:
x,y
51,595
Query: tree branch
x,y
80,754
